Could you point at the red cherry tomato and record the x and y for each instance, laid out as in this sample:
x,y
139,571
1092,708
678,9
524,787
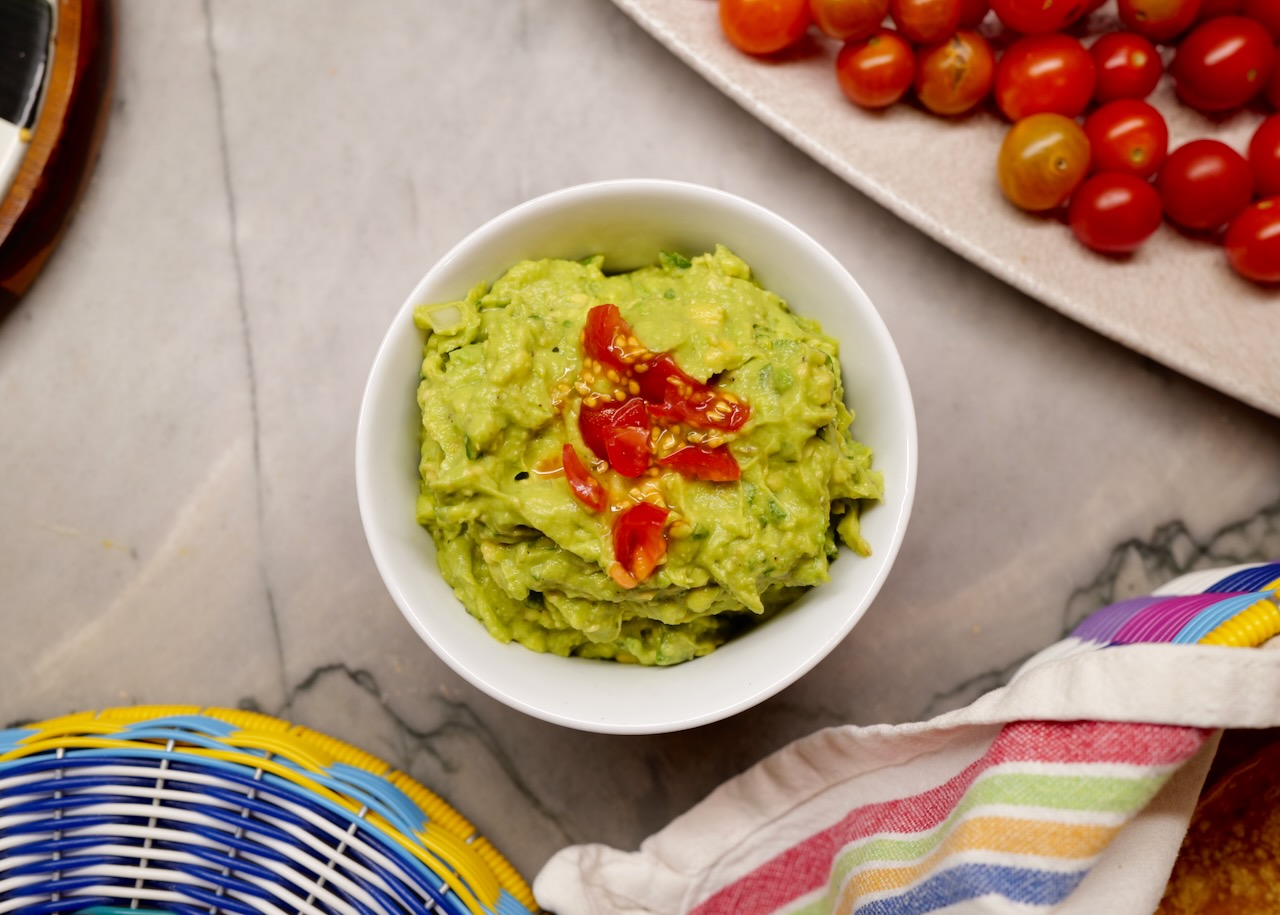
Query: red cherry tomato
x,y
1127,65
1264,157
1252,242
639,544
972,12
1114,213
876,72
1159,20
702,463
925,21
764,26
585,488
1264,12
1032,17
1223,63
848,20
1204,184
1211,8
1044,73
955,76
1127,136
1272,90
619,434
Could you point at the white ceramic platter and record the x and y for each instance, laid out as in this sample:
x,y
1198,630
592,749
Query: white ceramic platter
x,y
1175,300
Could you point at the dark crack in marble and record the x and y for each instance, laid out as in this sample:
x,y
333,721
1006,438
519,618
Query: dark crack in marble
x,y
1133,568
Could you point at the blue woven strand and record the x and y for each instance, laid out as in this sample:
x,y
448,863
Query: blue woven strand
x,y
72,904
201,724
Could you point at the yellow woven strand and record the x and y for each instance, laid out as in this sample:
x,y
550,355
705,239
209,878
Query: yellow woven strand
x,y
1248,629
449,846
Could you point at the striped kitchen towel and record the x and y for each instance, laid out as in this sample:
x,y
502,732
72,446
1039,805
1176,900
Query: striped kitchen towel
x,y
1067,790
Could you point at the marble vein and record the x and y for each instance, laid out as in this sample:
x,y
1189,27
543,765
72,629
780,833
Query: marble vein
x,y
224,154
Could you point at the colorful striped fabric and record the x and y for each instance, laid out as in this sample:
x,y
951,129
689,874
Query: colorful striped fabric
x,y
1016,829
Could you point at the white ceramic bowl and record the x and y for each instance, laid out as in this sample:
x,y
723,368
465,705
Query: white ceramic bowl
x,y
629,221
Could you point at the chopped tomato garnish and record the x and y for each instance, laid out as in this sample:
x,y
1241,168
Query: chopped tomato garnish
x,y
703,463
585,488
619,434
671,392
639,543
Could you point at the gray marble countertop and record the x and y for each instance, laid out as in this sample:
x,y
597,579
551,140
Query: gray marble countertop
x,y
178,395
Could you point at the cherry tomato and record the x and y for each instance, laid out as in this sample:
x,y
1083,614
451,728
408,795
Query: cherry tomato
x,y
639,544
876,72
955,76
1033,17
848,20
972,12
1264,12
1223,63
1211,8
1044,73
1159,20
619,434
1127,66
1128,136
1264,157
670,392
1204,184
1042,160
585,488
703,463
1272,90
925,21
1253,242
1114,213
764,26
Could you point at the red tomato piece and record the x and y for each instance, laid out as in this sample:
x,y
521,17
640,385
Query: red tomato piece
x,y
1127,66
848,20
1041,74
1114,213
764,26
1264,12
678,396
1252,242
876,72
1129,136
1223,64
925,21
717,465
585,488
956,75
1264,157
619,434
1032,17
1204,184
605,335
1159,20
639,544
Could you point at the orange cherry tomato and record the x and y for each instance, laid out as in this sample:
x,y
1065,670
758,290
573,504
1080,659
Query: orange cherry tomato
x,y
955,76
848,20
1159,20
876,72
764,26
1042,161
925,21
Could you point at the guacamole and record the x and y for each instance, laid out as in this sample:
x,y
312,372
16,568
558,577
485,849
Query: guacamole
x,y
634,466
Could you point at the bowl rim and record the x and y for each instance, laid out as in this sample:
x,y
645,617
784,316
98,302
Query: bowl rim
x,y
886,553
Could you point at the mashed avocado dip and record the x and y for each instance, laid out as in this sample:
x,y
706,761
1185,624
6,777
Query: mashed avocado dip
x,y
633,466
